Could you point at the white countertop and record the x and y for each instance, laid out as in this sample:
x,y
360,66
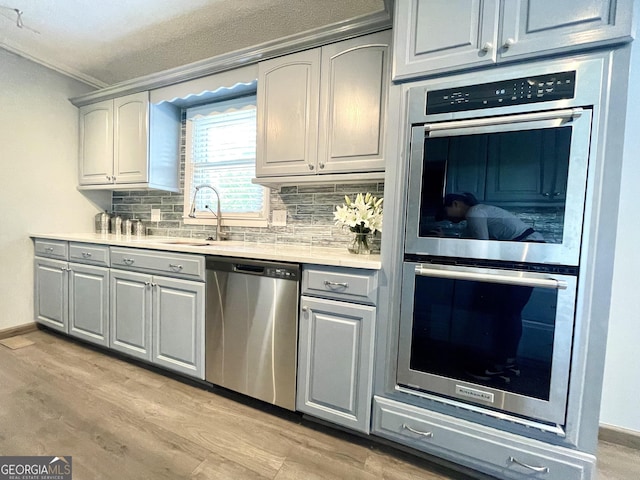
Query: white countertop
x,y
260,251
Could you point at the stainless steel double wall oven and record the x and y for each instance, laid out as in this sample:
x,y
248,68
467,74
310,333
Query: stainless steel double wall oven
x,y
497,184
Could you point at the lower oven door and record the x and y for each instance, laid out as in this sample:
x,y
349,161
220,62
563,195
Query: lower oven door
x,y
487,336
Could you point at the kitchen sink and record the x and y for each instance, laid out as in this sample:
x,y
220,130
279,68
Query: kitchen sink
x,y
196,243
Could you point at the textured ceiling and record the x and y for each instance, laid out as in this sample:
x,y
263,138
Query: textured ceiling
x,y
107,42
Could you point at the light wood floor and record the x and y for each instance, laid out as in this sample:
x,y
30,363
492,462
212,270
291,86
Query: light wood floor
x,y
121,421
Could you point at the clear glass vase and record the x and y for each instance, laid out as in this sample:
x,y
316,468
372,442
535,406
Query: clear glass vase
x,y
360,244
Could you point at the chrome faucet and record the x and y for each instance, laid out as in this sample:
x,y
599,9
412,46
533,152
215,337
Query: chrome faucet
x,y
218,214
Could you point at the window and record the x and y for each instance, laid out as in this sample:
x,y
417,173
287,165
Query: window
x,y
221,152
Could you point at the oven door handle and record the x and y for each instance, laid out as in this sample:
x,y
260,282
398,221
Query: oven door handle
x,y
492,278
557,117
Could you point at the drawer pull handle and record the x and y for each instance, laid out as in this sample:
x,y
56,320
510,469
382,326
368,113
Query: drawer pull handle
x,y
530,467
128,261
418,432
175,266
330,284
48,249
86,254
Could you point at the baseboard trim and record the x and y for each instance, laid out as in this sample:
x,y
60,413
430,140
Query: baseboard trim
x,y
21,330
619,436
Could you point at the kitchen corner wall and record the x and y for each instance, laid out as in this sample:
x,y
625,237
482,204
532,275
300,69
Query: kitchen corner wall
x,y
38,185
309,215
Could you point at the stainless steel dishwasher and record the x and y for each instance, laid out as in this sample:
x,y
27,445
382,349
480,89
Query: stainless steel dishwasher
x,y
251,328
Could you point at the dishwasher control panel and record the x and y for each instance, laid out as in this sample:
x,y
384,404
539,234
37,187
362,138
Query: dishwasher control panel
x,y
279,272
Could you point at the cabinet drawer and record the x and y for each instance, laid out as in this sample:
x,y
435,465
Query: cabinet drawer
x,y
88,253
171,264
52,249
349,284
491,451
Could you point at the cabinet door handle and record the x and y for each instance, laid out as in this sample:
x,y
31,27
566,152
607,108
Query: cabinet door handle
x,y
508,43
305,308
147,283
530,467
417,432
109,178
86,254
153,284
330,284
128,261
321,165
486,46
175,266
311,167
48,249
113,178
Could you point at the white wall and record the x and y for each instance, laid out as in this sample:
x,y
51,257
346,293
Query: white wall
x,y
621,387
38,174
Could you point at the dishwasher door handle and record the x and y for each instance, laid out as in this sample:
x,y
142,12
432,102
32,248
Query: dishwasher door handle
x,y
250,269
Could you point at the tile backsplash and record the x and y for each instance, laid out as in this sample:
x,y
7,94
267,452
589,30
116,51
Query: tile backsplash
x,y
309,215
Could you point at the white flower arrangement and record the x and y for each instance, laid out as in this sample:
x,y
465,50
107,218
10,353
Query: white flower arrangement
x,y
362,215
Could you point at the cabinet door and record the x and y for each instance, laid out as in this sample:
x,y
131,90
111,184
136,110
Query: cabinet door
x,y
51,304
96,143
89,303
335,361
288,96
178,325
542,27
353,96
130,118
130,317
436,38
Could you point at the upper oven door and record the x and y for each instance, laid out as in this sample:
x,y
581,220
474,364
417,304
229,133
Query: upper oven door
x,y
527,171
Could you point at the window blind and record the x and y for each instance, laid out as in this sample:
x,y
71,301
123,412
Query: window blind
x,y
222,153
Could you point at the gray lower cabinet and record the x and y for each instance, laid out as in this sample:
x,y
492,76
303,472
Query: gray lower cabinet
x,y
178,325
474,445
89,303
159,319
130,321
72,298
335,348
51,296
335,361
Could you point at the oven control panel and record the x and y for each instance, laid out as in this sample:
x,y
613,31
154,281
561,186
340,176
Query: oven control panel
x,y
540,88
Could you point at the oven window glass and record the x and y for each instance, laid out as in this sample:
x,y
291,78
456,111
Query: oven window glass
x,y
496,186
491,334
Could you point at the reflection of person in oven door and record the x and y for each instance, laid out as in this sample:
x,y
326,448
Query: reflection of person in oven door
x,y
502,303
487,222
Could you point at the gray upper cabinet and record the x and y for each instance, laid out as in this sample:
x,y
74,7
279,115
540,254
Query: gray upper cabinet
x,y
114,147
322,111
432,39
288,99
436,37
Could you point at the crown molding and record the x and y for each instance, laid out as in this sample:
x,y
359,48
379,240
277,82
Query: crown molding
x,y
283,46
57,67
